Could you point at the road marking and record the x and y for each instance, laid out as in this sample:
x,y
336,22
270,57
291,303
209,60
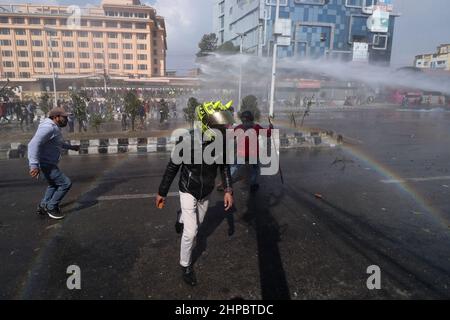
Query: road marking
x,y
134,196
393,181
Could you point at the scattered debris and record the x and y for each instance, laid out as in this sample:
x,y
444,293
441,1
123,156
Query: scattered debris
x,y
417,213
383,209
445,186
344,162
318,196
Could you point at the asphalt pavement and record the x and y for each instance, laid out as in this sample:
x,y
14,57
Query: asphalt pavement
x,y
380,199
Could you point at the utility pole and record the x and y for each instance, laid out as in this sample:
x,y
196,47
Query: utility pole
x,y
55,102
241,35
274,61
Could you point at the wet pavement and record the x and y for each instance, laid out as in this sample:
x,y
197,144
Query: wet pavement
x,y
380,199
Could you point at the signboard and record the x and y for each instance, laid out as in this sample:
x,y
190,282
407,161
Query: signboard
x,y
283,41
379,21
360,52
309,84
283,27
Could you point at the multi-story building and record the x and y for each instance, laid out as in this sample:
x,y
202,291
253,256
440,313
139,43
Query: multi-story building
x,y
120,38
344,29
439,60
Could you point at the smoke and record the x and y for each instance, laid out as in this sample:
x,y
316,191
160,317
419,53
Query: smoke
x,y
222,71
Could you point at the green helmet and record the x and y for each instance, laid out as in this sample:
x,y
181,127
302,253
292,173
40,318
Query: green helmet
x,y
214,115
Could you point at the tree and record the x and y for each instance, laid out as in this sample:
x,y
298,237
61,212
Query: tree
x,y
45,104
228,48
79,109
207,45
189,112
96,121
132,105
250,103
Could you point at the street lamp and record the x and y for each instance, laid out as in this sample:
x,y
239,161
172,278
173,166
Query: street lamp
x,y
274,61
241,35
48,30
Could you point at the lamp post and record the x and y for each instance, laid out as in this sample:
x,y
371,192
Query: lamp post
x,y
274,60
241,35
50,44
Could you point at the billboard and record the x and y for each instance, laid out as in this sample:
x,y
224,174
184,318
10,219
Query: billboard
x,y
360,52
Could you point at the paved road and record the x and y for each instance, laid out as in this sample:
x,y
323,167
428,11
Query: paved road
x,y
385,202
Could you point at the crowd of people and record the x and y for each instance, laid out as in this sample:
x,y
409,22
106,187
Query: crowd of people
x,y
26,114
23,112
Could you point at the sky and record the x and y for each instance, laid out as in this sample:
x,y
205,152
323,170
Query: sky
x,y
421,27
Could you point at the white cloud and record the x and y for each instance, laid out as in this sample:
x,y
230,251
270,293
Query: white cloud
x,y
186,22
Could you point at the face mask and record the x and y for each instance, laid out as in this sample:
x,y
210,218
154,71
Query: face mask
x,y
63,123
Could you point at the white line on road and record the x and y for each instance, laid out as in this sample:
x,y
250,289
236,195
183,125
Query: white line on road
x,y
393,181
134,196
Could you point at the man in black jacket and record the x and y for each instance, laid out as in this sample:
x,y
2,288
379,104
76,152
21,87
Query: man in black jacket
x,y
197,181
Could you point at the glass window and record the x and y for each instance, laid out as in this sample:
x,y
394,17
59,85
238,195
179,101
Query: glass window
x,y
18,21
96,23
39,64
50,22
24,64
84,55
21,43
8,64
69,55
69,65
24,75
141,26
36,43
6,53
34,21
20,32
36,32
38,54
22,54
5,43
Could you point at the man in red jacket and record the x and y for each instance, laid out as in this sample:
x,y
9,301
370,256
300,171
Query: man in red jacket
x,y
247,152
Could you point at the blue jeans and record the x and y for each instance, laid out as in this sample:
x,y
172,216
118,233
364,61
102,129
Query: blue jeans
x,y
58,186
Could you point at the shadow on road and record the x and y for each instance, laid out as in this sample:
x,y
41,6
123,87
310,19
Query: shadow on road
x,y
274,285
213,220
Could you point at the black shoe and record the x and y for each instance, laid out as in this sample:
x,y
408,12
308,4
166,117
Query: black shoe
x,y
55,213
178,225
189,275
254,187
41,210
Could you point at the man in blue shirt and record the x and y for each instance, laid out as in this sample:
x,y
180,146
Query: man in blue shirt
x,y
44,152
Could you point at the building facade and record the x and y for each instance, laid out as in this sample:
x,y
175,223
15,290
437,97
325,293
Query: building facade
x,y
120,38
340,29
439,60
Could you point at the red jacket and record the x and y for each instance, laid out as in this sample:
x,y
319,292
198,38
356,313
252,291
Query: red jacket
x,y
243,145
